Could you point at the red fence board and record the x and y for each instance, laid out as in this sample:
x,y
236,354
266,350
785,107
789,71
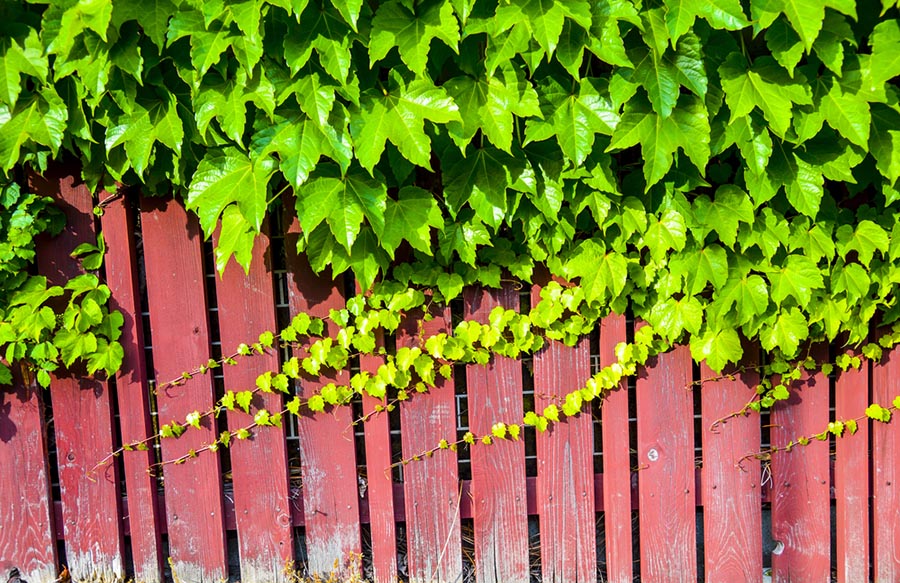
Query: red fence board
x,y
732,512
851,478
565,480
179,330
328,456
498,471
246,308
885,473
432,489
665,411
27,540
616,461
379,483
132,390
801,482
82,414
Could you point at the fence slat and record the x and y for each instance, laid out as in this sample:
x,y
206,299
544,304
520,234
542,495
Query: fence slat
x,y
27,533
179,329
616,461
801,482
133,391
732,512
379,484
432,495
328,454
851,479
259,465
498,471
885,474
666,481
82,407
565,480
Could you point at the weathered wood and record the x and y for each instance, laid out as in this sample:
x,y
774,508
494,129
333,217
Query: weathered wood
x,y
259,469
732,512
498,471
82,407
800,482
565,480
379,484
616,461
432,488
328,454
885,473
132,390
176,298
666,485
27,532
851,478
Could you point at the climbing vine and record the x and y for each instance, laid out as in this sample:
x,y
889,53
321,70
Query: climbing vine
x,y
724,170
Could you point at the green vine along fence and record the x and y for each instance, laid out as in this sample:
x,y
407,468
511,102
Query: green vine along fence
x,y
614,493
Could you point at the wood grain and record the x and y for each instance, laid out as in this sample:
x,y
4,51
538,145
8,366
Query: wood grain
x,y
885,474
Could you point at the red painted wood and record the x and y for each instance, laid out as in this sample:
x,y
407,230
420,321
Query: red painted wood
x,y
565,480
179,330
330,487
432,488
132,390
82,407
732,511
800,482
246,305
885,473
851,478
666,484
27,540
379,484
616,461
498,471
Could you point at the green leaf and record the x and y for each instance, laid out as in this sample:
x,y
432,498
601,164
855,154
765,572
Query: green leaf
x,y
786,333
717,348
411,218
227,102
848,114
16,60
603,273
396,26
544,18
785,44
41,119
343,202
481,180
749,295
867,239
797,278
152,15
885,42
671,317
398,113
723,215
227,177
148,123
707,265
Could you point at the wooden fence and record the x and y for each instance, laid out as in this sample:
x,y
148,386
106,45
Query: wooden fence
x,y
638,489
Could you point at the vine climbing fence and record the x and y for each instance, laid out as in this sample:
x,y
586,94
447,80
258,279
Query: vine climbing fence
x,y
645,486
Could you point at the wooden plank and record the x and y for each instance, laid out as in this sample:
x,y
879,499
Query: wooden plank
x,y
851,478
379,483
565,480
732,511
246,305
82,407
666,483
27,532
498,471
133,391
432,488
616,461
328,454
885,473
800,482
176,295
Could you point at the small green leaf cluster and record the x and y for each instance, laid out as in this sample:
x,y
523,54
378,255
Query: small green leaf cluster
x,y
45,327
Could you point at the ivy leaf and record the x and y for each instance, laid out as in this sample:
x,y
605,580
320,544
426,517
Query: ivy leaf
x,y
235,238
803,182
884,142
152,15
603,273
367,258
40,119
664,234
867,239
481,180
343,202
573,119
885,42
717,347
395,26
706,265
753,139
230,177
848,114
464,238
227,102
411,217
797,278
671,317
785,44
398,114
764,85
748,294
325,31
544,18
785,333
207,43
805,16
16,60
680,15
730,207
